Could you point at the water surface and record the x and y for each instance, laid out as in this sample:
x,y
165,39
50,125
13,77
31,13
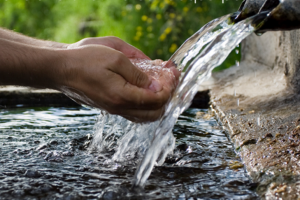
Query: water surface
x,y
43,155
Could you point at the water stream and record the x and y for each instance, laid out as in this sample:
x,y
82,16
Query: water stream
x,y
152,142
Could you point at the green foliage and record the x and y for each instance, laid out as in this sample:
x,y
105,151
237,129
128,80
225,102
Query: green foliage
x,y
157,27
33,19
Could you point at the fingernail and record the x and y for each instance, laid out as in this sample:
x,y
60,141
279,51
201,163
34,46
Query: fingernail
x,y
155,86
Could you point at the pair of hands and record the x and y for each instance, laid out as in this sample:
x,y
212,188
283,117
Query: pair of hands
x,y
98,73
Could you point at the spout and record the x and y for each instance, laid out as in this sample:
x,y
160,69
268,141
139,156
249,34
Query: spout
x,y
281,14
285,16
249,8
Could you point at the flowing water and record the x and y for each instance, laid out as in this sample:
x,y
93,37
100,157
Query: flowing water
x,y
43,155
152,142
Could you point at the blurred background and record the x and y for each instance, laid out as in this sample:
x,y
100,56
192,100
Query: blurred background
x,y
157,27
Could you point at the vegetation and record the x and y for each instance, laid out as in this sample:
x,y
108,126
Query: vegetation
x,y
157,27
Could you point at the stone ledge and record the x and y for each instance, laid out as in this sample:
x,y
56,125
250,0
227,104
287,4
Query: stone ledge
x,y
259,106
12,96
267,139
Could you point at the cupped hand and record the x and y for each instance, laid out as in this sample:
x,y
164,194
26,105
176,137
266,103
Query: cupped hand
x,y
103,77
112,42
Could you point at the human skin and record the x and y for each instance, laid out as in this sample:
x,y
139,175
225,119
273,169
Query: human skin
x,y
95,71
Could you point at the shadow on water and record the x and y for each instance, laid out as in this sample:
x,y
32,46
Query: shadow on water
x,y
43,155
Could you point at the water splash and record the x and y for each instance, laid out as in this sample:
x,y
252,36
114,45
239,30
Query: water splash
x,y
208,52
197,57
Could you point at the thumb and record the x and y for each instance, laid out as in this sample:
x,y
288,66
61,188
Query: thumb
x,y
137,77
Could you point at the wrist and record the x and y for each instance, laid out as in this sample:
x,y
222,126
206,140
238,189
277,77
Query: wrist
x,y
51,44
40,68
53,68
62,72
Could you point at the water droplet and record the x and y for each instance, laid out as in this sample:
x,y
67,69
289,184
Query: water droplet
x,y
238,102
237,63
234,93
237,51
258,121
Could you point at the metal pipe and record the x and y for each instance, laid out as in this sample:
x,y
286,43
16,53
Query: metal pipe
x,y
247,9
281,14
285,16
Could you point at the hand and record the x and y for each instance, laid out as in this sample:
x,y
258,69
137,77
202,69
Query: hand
x,y
98,75
102,77
112,42
127,49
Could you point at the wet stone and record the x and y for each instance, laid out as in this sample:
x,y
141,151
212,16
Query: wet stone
x,y
233,183
53,142
32,174
182,147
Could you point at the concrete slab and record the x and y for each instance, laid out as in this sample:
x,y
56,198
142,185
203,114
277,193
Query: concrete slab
x,y
13,96
259,106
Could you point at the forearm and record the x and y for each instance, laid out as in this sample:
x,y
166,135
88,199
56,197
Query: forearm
x,y
27,65
16,37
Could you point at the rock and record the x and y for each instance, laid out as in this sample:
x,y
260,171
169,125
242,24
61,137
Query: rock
x,y
53,142
32,174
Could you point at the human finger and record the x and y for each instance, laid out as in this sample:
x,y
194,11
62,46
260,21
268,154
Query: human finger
x,y
135,76
173,67
131,51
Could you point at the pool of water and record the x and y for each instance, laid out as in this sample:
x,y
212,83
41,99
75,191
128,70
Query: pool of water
x,y
43,155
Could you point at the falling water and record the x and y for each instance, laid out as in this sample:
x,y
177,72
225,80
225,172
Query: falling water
x,y
197,57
